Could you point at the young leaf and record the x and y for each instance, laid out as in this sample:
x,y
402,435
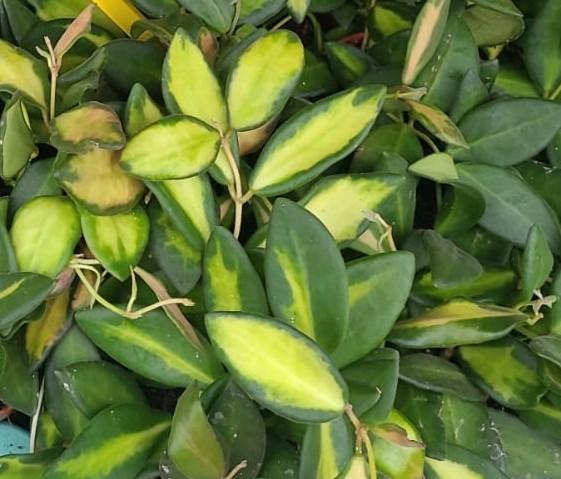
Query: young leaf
x,y
425,36
230,281
88,126
507,132
124,435
79,27
175,147
505,369
305,275
193,445
20,71
151,346
357,468
455,323
378,289
190,205
97,182
292,156
278,367
340,201
438,123
44,233
186,71
117,241
507,196
263,78
438,167
298,9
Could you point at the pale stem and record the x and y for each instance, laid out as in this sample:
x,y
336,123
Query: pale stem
x,y
366,37
35,418
134,290
238,194
238,7
54,68
362,437
236,470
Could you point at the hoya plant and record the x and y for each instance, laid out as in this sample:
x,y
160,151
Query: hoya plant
x,y
273,239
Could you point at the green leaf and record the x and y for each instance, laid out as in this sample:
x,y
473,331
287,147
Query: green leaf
x,y
438,167
512,207
436,374
340,201
151,346
175,147
186,71
544,180
542,47
115,444
543,418
326,449
42,333
117,241
491,27
450,266
72,348
298,9
426,34
24,73
548,348
28,466
292,156
537,263
305,275
16,139
461,464
218,14
438,123
96,181
263,79
472,93
348,62
506,370
462,207
20,295
278,367
455,323
178,258
190,205
372,385
513,80
255,12
20,18
239,424
525,453
141,110
44,233
8,262
193,445
378,289
506,132
230,281
96,385
90,125
19,387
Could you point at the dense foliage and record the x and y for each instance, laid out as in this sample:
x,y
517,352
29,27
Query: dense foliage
x,y
309,239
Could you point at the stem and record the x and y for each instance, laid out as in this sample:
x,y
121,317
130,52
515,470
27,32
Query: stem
x,y
556,93
35,418
362,437
54,67
427,139
237,197
281,23
236,17
172,310
238,468
134,291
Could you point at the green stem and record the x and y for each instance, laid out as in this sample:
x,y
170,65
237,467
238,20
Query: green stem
x,y
556,93
281,23
237,13
237,197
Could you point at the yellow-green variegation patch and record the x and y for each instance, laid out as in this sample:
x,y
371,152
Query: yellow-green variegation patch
x,y
454,323
278,366
189,85
44,233
438,123
425,37
116,443
141,110
175,147
298,9
96,180
117,241
28,466
20,71
263,79
341,202
229,278
90,125
316,138
151,346
191,206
